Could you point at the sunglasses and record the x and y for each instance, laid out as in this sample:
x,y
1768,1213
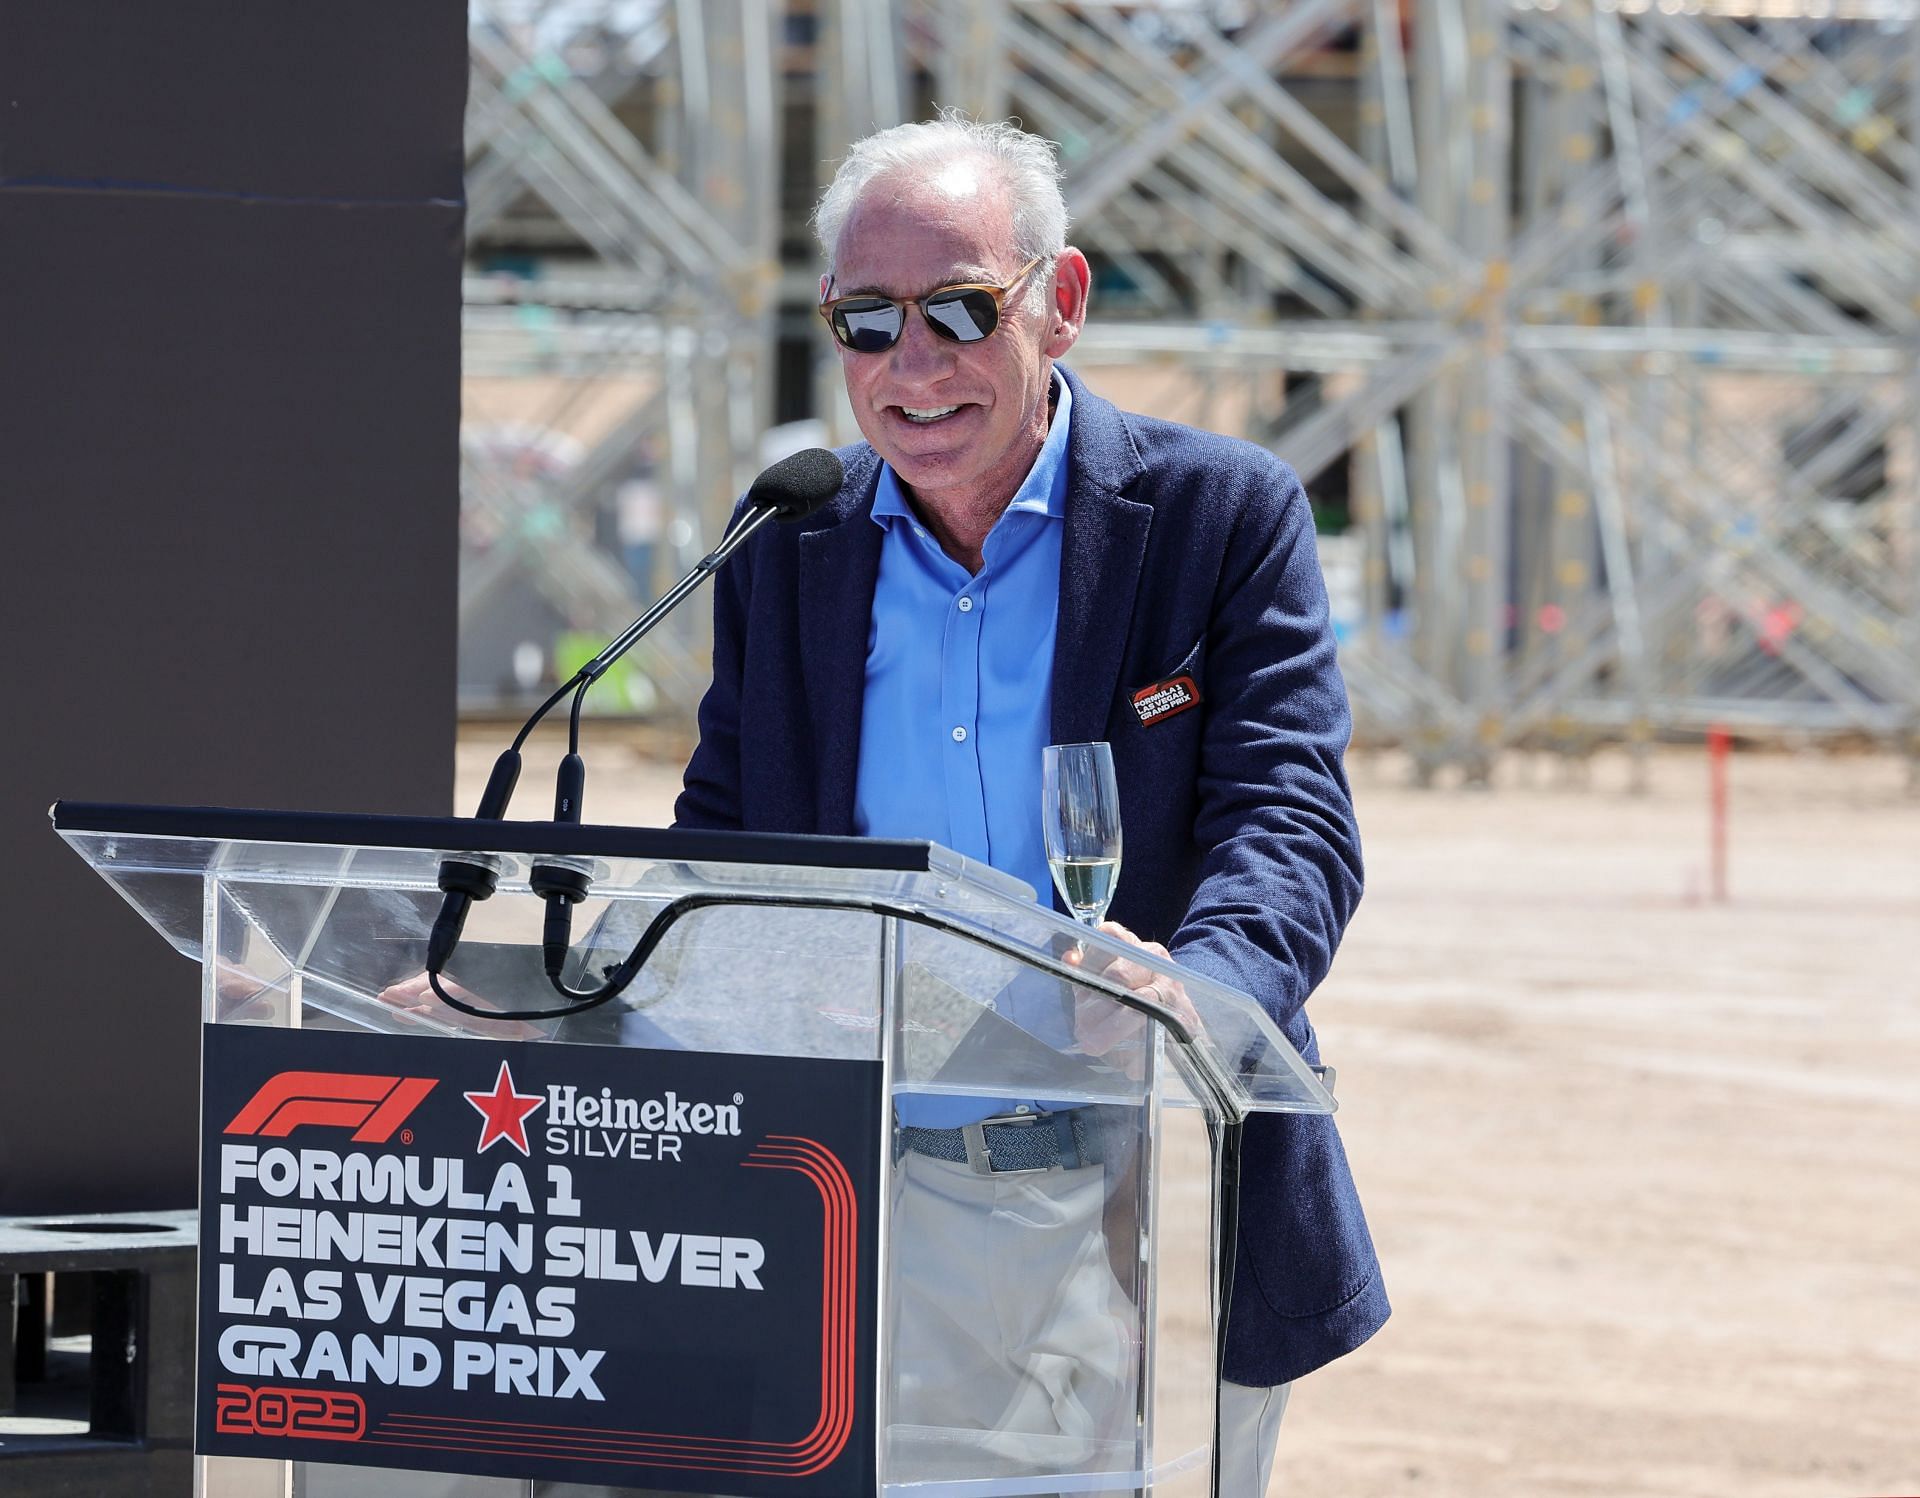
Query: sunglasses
x,y
966,313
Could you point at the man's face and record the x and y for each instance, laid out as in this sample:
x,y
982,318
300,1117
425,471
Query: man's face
x,y
978,410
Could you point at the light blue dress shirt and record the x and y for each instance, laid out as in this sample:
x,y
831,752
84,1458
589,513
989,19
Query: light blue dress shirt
x,y
959,691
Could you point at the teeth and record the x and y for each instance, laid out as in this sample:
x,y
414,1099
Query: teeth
x,y
932,413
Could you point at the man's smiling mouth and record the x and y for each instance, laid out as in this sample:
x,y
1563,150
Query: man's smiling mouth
x,y
922,415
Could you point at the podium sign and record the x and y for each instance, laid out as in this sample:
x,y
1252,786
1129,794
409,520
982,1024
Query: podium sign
x,y
869,1181
538,1261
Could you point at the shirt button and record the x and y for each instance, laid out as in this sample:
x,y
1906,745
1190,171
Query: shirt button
x,y
966,604
959,735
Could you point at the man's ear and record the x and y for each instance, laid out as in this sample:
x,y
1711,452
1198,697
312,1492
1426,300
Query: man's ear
x,y
826,282
1072,286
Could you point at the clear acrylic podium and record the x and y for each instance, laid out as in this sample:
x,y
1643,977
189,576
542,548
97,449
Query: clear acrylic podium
x,y
1044,1331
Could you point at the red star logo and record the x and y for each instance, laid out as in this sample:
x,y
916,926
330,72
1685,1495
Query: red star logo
x,y
505,1112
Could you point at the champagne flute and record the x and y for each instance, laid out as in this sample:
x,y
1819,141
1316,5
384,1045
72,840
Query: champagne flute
x,y
1080,819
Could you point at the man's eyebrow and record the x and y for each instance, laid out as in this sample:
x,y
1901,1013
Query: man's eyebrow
x,y
965,276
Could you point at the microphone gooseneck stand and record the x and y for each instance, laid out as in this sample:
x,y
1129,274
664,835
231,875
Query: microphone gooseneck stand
x,y
790,490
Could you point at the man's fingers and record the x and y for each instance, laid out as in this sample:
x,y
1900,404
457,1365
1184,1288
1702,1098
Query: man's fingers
x,y
1113,1033
1169,993
416,995
407,993
1181,1005
1131,974
1099,1024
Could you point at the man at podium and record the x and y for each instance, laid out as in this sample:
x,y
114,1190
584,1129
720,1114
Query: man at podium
x,y
1014,562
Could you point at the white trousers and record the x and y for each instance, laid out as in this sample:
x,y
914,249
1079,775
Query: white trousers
x,y
1249,1433
1035,1357
1035,1370
1040,1366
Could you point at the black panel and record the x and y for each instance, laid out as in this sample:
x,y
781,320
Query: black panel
x,y
230,247
357,100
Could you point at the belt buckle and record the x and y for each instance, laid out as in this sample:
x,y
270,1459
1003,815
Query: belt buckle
x,y
980,1158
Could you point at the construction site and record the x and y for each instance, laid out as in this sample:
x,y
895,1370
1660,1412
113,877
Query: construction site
x,y
1591,329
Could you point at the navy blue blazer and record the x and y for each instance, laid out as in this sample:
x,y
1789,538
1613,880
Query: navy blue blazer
x,y
1185,554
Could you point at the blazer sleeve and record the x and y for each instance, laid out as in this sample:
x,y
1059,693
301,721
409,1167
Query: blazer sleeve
x,y
710,793
1280,870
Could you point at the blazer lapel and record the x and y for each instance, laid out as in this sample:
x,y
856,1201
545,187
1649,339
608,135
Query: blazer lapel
x,y
839,565
1101,554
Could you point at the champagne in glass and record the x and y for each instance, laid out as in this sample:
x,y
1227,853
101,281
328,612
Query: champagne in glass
x,y
1080,818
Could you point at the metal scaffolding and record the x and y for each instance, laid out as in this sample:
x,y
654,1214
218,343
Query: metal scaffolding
x,y
1593,327
622,175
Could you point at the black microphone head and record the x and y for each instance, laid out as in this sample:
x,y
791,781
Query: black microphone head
x,y
796,486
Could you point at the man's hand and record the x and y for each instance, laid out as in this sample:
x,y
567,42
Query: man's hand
x,y
416,996
1102,1027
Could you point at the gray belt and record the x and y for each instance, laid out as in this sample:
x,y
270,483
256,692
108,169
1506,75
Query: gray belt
x,y
1010,1143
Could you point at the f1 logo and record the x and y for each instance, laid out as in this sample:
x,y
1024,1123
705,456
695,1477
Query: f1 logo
x,y
373,1107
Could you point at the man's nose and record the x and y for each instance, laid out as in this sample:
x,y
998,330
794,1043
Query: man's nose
x,y
921,351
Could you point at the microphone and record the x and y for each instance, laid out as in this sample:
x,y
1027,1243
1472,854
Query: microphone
x,y
464,881
798,484
790,490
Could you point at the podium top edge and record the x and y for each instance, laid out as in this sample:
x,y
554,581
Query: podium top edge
x,y
469,835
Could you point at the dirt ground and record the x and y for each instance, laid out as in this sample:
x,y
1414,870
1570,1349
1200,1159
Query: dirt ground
x,y
1643,1168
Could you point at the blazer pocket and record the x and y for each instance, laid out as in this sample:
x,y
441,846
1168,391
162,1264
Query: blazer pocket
x,y
1189,663
1172,691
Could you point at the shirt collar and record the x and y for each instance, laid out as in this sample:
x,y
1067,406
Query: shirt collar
x,y
1042,492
